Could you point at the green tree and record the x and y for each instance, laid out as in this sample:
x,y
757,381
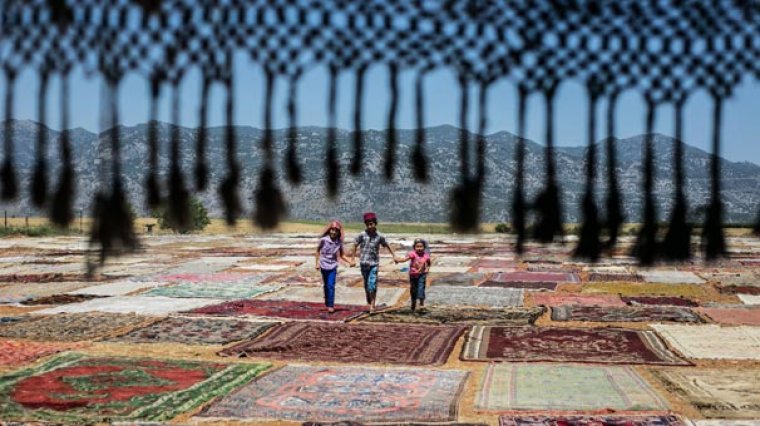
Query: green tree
x,y
198,214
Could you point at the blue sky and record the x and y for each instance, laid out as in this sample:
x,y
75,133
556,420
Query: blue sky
x,y
740,130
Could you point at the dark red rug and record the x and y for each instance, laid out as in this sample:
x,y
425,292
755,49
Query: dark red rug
x,y
602,345
281,309
360,343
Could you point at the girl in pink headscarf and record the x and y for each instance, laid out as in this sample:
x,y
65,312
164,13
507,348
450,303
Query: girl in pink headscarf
x,y
329,252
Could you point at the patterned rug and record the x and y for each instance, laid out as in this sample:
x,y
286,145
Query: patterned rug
x,y
460,280
72,327
711,341
726,393
555,277
458,315
216,278
360,343
624,314
575,299
343,295
31,290
196,331
520,386
609,420
118,288
212,290
60,299
339,393
474,296
654,300
350,423
144,305
647,289
734,316
735,283
602,345
282,309
526,285
614,277
76,388
15,353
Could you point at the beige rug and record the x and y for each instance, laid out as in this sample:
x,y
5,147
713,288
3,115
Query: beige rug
x,y
712,341
717,393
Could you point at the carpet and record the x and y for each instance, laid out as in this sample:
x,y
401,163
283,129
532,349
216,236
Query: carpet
x,y
526,285
726,393
655,300
624,314
602,345
195,331
600,420
144,305
76,388
648,289
212,290
458,315
32,290
216,278
474,296
15,353
60,299
711,341
519,386
614,277
454,260
735,283
575,299
339,393
670,277
72,327
350,423
360,343
460,280
281,309
118,288
733,316
749,299
343,295
726,422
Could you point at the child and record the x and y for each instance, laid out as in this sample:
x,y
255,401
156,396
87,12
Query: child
x,y
370,241
329,249
418,269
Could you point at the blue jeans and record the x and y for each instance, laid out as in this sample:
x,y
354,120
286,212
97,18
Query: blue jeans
x,y
328,278
369,273
417,287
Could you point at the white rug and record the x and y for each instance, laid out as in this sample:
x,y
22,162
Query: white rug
x,y
712,341
474,296
670,277
129,304
749,299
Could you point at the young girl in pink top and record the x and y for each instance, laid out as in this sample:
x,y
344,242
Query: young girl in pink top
x,y
419,266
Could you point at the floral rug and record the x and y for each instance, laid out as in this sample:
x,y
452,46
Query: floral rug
x,y
195,331
624,314
339,393
458,315
659,301
72,327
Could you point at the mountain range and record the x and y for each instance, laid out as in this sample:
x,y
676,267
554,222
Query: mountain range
x,y
401,199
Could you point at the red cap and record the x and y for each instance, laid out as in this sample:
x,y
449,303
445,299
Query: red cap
x,y
370,216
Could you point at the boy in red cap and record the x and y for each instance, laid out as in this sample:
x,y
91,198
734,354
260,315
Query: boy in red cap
x,y
369,259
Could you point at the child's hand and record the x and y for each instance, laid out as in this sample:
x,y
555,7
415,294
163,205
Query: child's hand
x,y
317,267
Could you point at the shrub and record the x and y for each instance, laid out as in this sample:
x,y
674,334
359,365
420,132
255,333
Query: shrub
x,y
503,228
198,217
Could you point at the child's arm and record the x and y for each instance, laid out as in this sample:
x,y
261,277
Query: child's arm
x,y
319,247
343,258
402,260
388,246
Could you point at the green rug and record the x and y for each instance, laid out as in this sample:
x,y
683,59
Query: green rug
x,y
80,389
517,386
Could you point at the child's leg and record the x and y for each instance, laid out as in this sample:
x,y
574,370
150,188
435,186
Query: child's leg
x,y
413,290
365,278
421,288
328,277
372,286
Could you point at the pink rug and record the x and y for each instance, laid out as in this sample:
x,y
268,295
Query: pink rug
x,y
734,316
576,299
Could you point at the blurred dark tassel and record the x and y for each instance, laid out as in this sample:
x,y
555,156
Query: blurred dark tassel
x,y
392,141
39,178
419,161
201,164
614,203
153,193
518,197
228,189
356,161
547,204
756,229
645,247
293,169
62,212
480,159
178,206
333,176
677,243
589,245
7,173
465,198
270,206
713,240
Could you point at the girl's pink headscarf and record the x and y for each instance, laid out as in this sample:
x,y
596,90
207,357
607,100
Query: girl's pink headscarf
x,y
334,224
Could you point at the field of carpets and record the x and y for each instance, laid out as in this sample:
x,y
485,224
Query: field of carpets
x,y
233,330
